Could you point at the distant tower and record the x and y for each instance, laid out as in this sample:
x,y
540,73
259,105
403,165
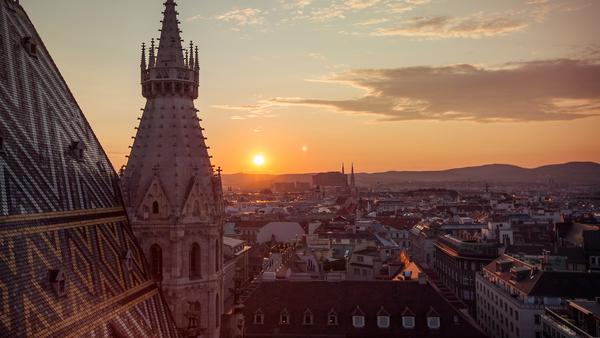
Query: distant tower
x,y
343,170
352,179
174,198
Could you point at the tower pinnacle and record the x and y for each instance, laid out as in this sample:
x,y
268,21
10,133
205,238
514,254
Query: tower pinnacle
x,y
170,53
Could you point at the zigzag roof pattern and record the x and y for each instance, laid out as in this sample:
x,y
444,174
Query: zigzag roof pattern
x,y
69,263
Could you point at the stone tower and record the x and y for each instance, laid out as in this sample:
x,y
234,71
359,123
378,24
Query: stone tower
x,y
174,198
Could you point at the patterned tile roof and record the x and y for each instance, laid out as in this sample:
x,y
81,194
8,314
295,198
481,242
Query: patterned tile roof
x,y
69,263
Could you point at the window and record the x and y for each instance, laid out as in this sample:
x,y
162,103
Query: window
x,y
433,322
536,319
57,281
408,322
128,260
360,258
332,318
307,319
358,321
156,261
284,317
259,317
76,149
155,208
383,322
195,261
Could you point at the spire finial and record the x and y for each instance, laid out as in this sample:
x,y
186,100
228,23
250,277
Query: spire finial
x,y
143,61
191,63
197,62
151,57
170,51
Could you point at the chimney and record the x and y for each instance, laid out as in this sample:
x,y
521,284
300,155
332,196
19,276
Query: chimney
x,y
422,278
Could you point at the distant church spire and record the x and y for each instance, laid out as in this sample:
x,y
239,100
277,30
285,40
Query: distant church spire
x,y
352,179
343,170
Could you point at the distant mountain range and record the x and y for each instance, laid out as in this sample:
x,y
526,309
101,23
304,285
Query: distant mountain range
x,y
572,172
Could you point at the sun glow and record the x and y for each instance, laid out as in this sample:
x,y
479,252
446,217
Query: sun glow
x,y
258,160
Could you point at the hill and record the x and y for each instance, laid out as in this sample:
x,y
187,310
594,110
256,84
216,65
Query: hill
x,y
572,172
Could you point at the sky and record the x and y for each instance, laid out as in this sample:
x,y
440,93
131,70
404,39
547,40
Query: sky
x,y
383,84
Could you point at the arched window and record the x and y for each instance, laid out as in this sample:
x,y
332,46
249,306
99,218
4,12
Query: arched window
x,y
155,208
307,319
156,261
217,255
195,261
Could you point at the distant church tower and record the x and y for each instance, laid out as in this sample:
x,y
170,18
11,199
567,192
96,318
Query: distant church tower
x,y
174,198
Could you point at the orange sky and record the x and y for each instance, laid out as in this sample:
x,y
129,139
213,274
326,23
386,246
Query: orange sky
x,y
388,85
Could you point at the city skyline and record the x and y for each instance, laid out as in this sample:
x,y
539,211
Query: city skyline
x,y
351,80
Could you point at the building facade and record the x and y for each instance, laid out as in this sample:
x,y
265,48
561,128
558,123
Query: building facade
x,y
173,196
512,296
457,261
358,309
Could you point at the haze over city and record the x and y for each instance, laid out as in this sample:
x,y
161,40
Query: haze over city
x,y
391,85
300,168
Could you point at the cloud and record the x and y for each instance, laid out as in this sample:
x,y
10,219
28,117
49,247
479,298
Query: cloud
x,y
547,90
473,26
405,6
361,4
243,16
262,109
316,56
372,22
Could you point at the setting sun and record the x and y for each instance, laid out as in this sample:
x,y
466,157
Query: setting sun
x,y
258,160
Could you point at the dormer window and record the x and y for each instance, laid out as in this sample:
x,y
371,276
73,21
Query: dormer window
x,y
284,317
332,318
307,319
383,318
383,322
259,317
408,322
57,281
433,319
76,149
433,322
128,260
358,318
408,319
358,321
29,45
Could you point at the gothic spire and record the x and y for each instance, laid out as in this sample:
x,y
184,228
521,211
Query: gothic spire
x,y
170,52
151,57
191,62
143,61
